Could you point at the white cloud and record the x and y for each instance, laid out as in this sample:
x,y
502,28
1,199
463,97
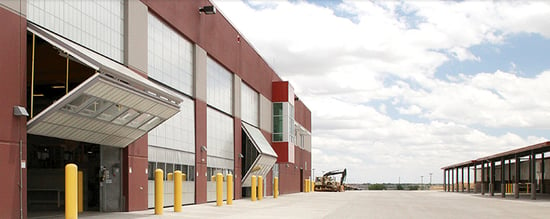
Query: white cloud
x,y
411,110
359,75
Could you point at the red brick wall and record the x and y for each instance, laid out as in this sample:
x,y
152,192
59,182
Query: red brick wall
x,y
13,129
135,184
302,115
218,38
289,177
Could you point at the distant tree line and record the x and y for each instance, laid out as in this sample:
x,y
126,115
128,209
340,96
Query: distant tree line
x,y
378,186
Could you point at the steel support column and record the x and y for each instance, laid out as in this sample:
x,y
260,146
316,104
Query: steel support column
x,y
509,170
462,183
483,177
518,177
502,182
468,168
533,172
452,180
492,183
444,182
542,189
475,178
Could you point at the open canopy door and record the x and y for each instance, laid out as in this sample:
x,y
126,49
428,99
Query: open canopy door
x,y
113,107
266,156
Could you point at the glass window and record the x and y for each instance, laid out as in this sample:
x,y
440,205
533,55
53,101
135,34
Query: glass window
x,y
126,117
163,168
97,106
219,86
209,171
278,109
219,135
170,56
151,170
277,122
144,117
249,105
112,112
177,132
98,25
169,168
191,174
292,131
75,105
278,137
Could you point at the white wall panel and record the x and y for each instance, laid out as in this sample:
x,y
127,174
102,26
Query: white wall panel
x,y
220,138
170,56
219,87
98,25
177,132
249,105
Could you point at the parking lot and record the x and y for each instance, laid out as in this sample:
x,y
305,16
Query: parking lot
x,y
360,204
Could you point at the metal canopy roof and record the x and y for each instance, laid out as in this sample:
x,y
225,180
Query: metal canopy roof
x,y
266,155
114,107
520,152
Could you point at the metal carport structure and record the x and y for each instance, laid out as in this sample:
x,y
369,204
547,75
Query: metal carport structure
x,y
509,174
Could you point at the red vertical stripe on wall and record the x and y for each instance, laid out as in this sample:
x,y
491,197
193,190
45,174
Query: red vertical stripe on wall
x,y
135,185
200,155
13,87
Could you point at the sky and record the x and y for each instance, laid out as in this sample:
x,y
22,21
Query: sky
x,y
398,90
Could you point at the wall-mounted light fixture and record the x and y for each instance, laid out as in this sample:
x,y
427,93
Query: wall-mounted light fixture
x,y
209,9
20,111
241,156
203,148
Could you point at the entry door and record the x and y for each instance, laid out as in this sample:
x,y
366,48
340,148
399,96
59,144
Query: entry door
x,y
110,177
302,180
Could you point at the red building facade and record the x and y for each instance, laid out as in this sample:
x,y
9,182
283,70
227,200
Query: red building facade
x,y
218,58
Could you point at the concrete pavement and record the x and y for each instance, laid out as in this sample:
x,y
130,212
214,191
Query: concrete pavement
x,y
358,204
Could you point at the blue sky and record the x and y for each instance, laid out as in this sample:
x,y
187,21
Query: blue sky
x,y
400,89
524,53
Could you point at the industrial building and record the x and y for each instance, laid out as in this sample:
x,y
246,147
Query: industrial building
x,y
514,172
124,87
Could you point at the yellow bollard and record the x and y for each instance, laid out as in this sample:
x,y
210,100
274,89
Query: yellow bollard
x,y
312,187
159,191
183,177
219,189
253,188
260,188
276,187
80,191
177,191
170,177
229,189
213,178
71,193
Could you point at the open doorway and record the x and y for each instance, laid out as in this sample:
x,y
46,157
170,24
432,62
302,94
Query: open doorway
x,y
47,158
302,180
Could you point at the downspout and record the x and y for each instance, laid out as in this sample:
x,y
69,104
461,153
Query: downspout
x,y
21,174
